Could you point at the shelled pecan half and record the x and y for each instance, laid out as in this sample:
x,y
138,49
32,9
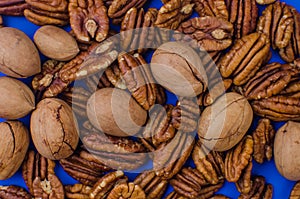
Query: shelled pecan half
x,y
243,15
124,190
40,178
213,8
210,33
244,184
139,80
47,12
219,196
263,137
153,185
209,163
265,2
84,167
88,19
118,9
190,183
295,193
238,158
259,190
1,22
245,58
77,191
14,192
13,7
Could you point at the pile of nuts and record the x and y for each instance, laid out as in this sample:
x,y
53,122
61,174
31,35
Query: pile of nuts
x,y
98,108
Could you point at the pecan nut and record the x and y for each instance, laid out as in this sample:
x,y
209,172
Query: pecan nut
x,y
77,191
259,190
295,193
209,163
244,184
210,33
84,167
124,190
88,19
118,9
243,15
238,158
47,12
153,185
263,138
265,2
15,192
1,22
213,8
15,7
219,196
246,56
40,178
190,183
138,79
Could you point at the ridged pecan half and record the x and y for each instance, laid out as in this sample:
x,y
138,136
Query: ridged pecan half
x,y
77,191
265,2
243,15
40,178
138,79
54,12
246,56
295,193
219,196
117,153
210,33
190,183
88,19
238,158
259,190
209,163
244,184
213,8
124,190
263,137
173,13
119,8
14,192
13,7
84,167
153,185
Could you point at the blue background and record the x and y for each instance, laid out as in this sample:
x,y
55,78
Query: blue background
x,y
282,187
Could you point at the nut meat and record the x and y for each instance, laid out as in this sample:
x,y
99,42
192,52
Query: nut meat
x,y
13,7
213,8
13,192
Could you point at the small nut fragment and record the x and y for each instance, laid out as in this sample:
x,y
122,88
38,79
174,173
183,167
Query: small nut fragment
x,y
265,2
295,193
15,192
54,129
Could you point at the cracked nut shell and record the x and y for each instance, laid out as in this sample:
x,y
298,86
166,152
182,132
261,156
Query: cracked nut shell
x,y
223,124
14,143
286,154
19,56
56,43
54,129
17,100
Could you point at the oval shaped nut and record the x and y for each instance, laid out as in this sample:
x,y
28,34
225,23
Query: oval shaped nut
x,y
223,124
178,68
17,100
286,150
14,143
19,56
56,43
115,112
54,129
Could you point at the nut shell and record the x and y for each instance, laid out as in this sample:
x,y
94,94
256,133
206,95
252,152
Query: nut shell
x,y
286,154
19,56
54,129
115,112
223,124
56,43
17,100
14,143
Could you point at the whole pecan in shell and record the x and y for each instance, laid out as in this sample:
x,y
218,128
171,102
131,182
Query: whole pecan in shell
x,y
88,19
13,7
213,8
40,178
14,192
77,191
259,190
243,15
295,193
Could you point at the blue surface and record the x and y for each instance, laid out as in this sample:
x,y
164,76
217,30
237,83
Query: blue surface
x,y
282,187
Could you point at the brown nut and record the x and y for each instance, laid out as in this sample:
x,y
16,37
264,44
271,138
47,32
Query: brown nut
x,y
295,194
77,191
15,192
223,124
17,99
15,48
178,68
214,8
287,141
15,7
56,43
265,2
15,141
116,113
54,129
259,190
124,190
